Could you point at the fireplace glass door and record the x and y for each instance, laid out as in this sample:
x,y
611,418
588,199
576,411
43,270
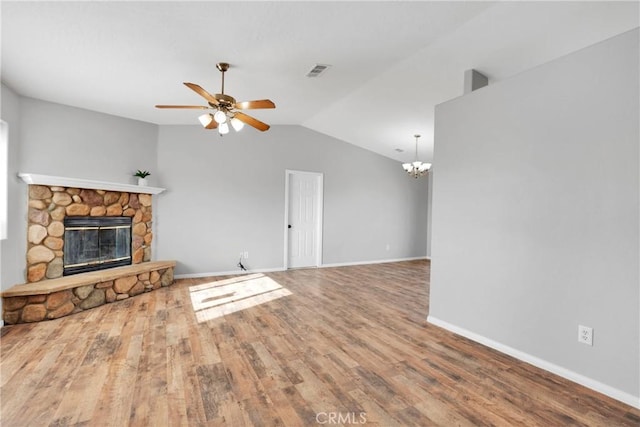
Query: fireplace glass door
x,y
92,243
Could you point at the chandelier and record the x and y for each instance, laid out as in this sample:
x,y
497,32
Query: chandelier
x,y
416,168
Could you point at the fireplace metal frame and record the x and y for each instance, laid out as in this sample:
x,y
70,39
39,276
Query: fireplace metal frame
x,y
96,223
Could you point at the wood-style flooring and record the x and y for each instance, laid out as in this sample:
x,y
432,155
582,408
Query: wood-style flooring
x,y
330,346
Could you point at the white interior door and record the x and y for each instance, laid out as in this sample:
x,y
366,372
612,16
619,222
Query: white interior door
x,y
303,218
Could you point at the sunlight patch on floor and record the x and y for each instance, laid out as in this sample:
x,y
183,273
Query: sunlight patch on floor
x,y
216,299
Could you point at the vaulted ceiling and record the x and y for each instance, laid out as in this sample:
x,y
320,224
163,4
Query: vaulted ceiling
x,y
391,62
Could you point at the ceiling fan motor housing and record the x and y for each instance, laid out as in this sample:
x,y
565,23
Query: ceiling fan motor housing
x,y
225,101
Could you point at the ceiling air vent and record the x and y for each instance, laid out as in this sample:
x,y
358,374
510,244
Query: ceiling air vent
x,y
317,70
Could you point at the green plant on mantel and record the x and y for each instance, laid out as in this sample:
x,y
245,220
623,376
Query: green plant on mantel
x,y
142,174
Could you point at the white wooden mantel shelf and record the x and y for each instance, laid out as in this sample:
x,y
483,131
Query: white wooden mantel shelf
x,y
60,181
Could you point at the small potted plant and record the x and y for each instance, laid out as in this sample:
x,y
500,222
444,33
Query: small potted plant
x,y
142,177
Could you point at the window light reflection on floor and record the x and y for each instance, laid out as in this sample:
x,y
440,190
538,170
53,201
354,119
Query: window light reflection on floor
x,y
216,299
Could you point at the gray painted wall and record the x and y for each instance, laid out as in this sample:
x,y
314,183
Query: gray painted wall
x,y
69,142
236,184
535,213
13,250
101,146
429,210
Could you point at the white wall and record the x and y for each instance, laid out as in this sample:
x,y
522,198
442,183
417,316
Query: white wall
x,y
535,216
226,195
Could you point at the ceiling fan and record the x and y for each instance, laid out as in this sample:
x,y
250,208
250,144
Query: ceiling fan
x,y
226,109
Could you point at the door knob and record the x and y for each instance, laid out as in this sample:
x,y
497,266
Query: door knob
x,y
289,226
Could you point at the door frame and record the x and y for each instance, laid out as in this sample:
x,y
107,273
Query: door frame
x,y
319,205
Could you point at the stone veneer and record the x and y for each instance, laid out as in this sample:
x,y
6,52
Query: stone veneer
x,y
52,299
49,205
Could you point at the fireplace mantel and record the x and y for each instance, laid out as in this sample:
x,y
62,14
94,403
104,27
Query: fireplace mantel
x,y
31,178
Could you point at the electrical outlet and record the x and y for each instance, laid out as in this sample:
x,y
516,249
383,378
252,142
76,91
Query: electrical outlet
x,y
585,335
388,246
246,254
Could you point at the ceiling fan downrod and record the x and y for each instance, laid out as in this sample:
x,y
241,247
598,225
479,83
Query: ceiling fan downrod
x,y
222,66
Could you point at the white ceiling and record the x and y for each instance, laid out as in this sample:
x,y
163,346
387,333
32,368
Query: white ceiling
x,y
392,62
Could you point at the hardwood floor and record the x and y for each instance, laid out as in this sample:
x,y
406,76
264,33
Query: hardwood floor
x,y
329,346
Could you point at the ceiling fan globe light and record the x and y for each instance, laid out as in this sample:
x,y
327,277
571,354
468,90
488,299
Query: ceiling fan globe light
x,y
205,119
237,124
220,117
223,128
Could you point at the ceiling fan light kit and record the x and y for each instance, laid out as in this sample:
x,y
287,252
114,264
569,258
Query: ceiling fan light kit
x,y
226,109
207,121
416,168
220,117
236,124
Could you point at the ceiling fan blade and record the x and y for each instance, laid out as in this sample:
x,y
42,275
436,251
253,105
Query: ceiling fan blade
x,y
194,107
252,121
252,105
212,125
206,95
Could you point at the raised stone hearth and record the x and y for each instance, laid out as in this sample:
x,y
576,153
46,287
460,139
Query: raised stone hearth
x,y
52,299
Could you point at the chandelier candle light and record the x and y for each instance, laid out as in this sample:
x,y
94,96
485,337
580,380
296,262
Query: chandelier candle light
x,y
416,168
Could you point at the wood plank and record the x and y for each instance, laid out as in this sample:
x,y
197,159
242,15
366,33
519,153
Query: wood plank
x,y
344,341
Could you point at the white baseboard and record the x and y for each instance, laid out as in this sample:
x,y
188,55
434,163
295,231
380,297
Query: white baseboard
x,y
382,261
270,270
226,273
612,392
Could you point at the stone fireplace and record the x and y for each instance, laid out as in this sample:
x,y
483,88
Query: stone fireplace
x,y
88,244
50,207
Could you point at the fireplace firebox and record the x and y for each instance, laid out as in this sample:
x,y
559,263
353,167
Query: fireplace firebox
x,y
96,243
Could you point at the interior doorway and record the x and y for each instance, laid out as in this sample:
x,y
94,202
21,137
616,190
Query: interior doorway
x,y
303,219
